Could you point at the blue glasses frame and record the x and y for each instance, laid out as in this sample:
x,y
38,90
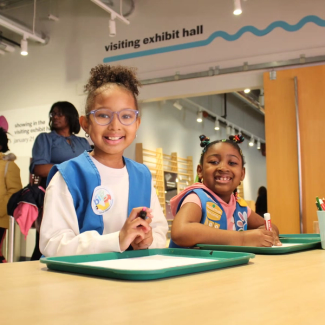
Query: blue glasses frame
x,y
113,113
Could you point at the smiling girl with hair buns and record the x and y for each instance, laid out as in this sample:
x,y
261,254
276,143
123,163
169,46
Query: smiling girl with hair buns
x,y
211,212
93,202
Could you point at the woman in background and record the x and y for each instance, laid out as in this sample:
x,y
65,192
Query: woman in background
x,y
261,201
10,174
59,145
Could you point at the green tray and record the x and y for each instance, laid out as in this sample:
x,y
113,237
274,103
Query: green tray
x,y
221,260
306,244
301,236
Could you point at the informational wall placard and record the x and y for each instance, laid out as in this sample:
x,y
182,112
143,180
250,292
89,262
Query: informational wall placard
x,y
25,125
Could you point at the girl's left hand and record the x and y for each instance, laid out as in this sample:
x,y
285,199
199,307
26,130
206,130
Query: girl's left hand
x,y
138,242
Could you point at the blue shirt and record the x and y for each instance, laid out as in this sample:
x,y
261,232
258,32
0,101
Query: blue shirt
x,y
52,148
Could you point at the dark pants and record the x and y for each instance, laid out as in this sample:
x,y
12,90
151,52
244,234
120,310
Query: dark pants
x,y
2,238
36,254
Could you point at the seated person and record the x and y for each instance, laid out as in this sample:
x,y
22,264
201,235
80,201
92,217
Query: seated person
x,y
212,212
93,202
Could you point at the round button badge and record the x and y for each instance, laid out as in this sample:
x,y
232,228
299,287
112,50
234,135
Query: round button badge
x,y
102,200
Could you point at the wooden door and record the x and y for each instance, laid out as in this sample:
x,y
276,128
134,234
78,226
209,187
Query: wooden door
x,y
281,145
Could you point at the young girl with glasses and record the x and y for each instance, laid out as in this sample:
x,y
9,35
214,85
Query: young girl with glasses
x,y
93,202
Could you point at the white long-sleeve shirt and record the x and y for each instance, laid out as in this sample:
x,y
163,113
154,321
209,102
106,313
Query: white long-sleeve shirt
x,y
59,234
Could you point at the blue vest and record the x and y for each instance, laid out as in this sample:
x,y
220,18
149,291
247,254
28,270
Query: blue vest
x,y
213,214
82,177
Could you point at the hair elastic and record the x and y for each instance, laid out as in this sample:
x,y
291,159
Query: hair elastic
x,y
237,138
205,141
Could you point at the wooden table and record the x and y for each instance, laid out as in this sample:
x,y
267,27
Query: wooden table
x,y
283,289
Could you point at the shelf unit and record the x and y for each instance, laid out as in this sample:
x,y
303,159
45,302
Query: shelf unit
x,y
159,163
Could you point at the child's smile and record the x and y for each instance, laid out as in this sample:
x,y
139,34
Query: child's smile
x,y
223,179
222,169
111,140
114,140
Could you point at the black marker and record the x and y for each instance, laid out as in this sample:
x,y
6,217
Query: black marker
x,y
143,214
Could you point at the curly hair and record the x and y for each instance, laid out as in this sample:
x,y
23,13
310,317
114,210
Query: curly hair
x,y
103,77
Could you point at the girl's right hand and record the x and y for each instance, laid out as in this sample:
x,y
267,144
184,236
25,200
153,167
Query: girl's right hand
x,y
131,229
258,238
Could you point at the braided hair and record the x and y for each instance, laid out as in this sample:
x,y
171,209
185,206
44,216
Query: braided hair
x,y
103,77
233,140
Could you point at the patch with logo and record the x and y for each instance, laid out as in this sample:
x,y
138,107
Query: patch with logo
x,y
214,214
102,200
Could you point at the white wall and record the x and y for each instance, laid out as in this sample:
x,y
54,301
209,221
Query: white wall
x,y
164,126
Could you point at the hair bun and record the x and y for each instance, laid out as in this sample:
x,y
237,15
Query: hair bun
x,y
103,74
237,138
204,140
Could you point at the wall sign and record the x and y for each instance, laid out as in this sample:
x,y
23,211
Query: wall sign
x,y
199,30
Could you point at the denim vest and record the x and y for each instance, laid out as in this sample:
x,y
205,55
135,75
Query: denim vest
x,y
82,177
213,214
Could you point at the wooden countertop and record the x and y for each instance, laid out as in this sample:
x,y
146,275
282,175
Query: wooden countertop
x,y
271,289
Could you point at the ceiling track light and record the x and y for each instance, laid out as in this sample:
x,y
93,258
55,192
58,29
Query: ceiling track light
x,y
228,129
251,142
52,17
22,30
199,116
273,74
233,131
9,48
261,97
24,46
247,91
237,8
112,26
109,10
216,125
258,145
178,105
217,119
6,47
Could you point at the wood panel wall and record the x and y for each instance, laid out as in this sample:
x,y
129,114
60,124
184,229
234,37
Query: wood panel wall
x,y
281,145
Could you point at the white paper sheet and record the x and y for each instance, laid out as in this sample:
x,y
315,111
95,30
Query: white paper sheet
x,y
285,245
154,262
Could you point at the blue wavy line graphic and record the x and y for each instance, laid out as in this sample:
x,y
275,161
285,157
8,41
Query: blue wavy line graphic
x,y
281,24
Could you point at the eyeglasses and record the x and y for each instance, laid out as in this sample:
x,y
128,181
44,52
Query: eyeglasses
x,y
104,116
58,114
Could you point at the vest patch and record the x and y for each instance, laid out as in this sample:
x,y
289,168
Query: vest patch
x,y
214,214
102,200
241,202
